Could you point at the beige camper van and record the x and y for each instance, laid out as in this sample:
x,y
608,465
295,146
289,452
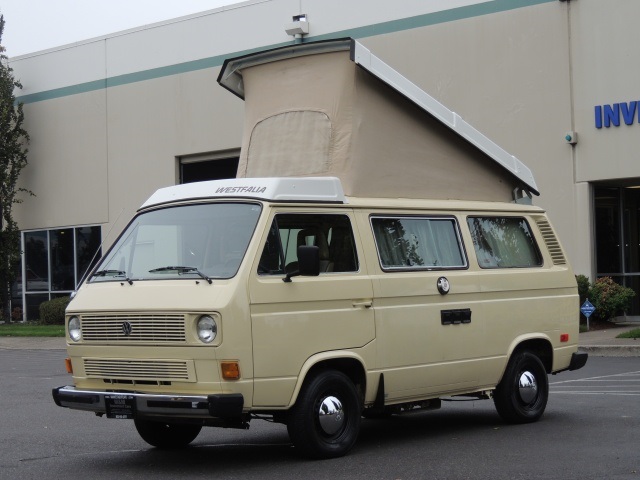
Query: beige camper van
x,y
375,255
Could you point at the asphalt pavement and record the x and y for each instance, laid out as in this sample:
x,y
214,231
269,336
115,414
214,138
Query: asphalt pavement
x,y
599,343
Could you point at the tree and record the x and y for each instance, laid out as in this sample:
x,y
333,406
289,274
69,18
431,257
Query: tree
x,y
13,158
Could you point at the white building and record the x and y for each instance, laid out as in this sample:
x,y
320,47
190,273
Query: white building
x,y
113,118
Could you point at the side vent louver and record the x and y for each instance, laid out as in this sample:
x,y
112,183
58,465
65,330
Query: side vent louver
x,y
552,242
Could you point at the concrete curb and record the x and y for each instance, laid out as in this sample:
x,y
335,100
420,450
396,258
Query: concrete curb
x,y
33,343
611,350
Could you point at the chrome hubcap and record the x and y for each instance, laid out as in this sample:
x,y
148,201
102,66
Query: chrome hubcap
x,y
527,387
331,415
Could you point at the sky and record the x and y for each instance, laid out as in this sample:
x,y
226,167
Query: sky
x,y
33,25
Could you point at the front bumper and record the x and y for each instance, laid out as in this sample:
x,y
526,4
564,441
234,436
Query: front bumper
x,y
220,406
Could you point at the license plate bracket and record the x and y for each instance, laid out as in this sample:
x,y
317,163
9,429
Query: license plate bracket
x,y
120,406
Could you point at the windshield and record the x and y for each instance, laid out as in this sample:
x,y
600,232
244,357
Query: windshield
x,y
205,241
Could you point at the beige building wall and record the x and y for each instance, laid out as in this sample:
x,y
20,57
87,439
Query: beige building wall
x,y
152,124
68,163
606,71
522,75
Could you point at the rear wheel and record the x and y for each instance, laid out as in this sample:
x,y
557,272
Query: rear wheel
x,y
325,421
167,435
522,394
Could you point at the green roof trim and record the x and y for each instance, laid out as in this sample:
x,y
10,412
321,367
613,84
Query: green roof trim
x,y
445,16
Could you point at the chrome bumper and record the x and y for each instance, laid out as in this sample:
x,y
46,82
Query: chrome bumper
x,y
224,406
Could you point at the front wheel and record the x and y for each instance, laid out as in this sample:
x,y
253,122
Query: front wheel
x,y
325,421
522,394
167,435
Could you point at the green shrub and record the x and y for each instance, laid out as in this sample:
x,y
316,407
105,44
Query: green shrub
x,y
583,287
609,298
52,312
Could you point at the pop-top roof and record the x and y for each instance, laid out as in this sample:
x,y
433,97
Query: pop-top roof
x,y
292,64
286,189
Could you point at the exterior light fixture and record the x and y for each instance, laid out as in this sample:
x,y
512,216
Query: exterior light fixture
x,y
298,28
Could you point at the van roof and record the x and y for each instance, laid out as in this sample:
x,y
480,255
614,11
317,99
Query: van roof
x,y
282,189
325,190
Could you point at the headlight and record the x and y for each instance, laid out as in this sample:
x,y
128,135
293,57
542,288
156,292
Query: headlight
x,y
75,333
207,329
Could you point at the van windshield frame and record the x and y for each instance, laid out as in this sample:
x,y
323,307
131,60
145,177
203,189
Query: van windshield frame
x,y
187,242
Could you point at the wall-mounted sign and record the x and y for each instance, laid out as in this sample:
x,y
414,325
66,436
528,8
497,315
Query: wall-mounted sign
x,y
612,115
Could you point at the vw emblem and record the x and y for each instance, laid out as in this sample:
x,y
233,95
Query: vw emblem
x,y
443,285
126,329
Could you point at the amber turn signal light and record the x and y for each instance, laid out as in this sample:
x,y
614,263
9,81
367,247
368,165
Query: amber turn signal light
x,y
230,370
68,365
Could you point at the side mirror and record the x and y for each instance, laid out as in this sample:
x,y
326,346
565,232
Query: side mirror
x,y
308,262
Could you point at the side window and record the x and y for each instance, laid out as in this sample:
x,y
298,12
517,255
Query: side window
x,y
504,242
331,233
418,243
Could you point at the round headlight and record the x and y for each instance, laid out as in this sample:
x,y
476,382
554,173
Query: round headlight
x,y
207,329
75,333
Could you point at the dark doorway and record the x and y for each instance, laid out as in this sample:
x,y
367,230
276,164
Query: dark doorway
x,y
200,171
617,211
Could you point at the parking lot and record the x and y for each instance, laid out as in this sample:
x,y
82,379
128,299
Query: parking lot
x,y
589,431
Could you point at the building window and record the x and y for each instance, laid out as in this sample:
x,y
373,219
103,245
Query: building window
x,y
215,166
617,226
53,263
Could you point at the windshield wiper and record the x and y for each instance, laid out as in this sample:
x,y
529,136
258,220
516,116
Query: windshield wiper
x,y
112,273
182,270
109,273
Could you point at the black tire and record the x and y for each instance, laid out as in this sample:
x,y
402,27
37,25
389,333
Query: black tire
x,y
522,394
325,421
167,435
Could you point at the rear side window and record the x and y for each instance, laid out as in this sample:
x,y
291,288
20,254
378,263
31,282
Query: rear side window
x,y
504,242
418,243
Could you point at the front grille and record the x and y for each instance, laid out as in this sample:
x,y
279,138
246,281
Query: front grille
x,y
134,328
553,245
139,370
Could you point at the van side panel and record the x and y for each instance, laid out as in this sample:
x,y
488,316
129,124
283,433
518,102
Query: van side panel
x,y
293,321
422,354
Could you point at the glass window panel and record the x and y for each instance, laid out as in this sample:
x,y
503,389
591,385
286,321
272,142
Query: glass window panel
x,y
88,251
504,242
332,234
608,251
62,259
418,243
36,261
182,242
33,302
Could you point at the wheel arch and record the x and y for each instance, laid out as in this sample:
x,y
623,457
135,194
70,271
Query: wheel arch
x,y
540,346
346,362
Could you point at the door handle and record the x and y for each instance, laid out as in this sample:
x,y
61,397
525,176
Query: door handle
x,y
363,304
455,317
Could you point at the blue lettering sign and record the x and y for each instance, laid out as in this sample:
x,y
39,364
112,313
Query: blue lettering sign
x,y
608,115
612,115
628,112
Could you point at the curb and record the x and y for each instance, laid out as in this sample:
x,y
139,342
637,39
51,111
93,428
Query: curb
x,y
33,343
611,350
